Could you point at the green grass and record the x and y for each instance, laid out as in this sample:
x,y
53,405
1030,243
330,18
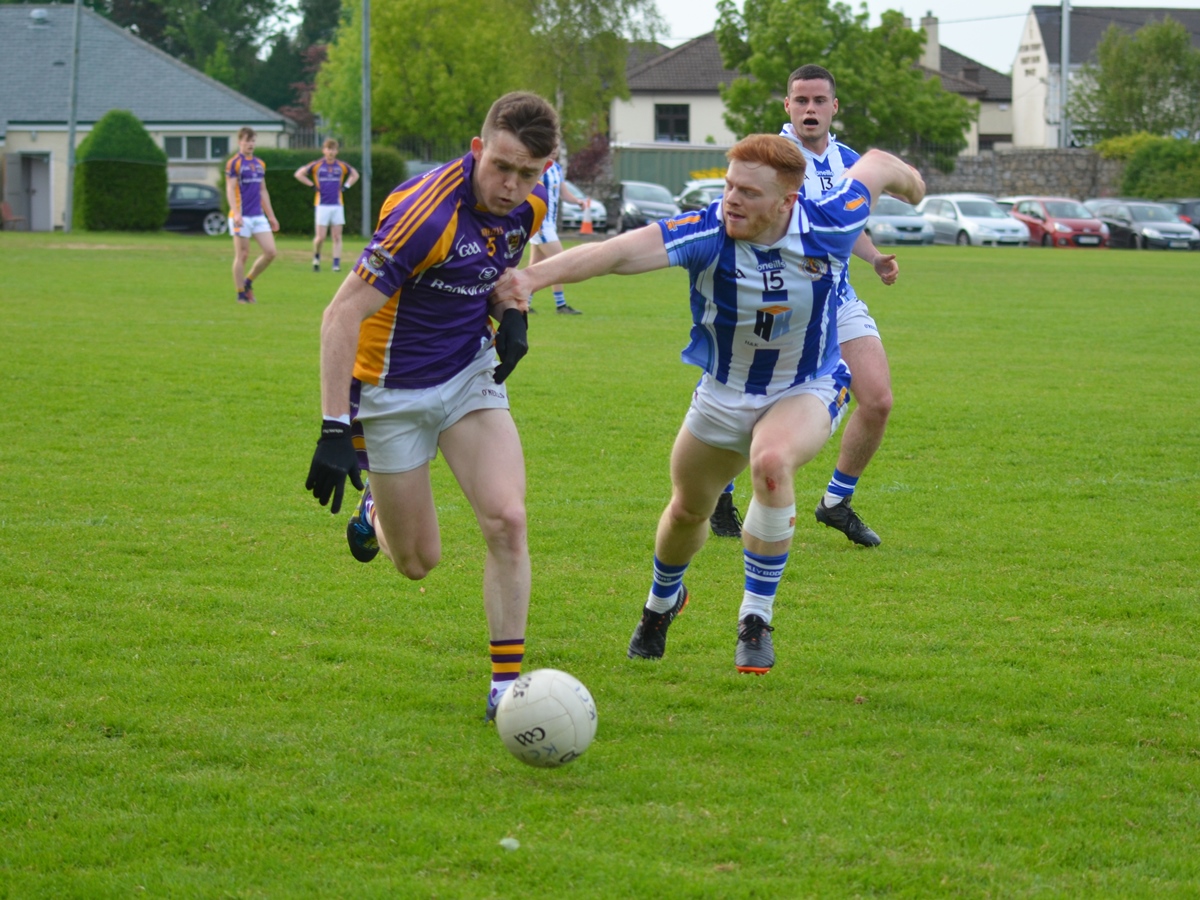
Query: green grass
x,y
204,695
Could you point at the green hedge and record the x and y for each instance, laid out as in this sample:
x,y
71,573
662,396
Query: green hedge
x,y
120,177
293,201
1164,167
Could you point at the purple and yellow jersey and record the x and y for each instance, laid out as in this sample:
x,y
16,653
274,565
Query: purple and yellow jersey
x,y
250,174
329,178
765,318
436,255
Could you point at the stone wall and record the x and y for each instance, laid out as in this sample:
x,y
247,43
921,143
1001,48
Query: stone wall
x,y
1056,173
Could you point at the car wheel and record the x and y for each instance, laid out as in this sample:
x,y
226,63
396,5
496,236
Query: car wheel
x,y
1047,241
963,239
214,224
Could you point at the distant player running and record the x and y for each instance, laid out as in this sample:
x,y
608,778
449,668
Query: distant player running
x,y
766,266
330,176
250,214
545,243
811,102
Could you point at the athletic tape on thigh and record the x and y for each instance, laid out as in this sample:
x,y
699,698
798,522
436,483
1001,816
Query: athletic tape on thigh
x,y
770,523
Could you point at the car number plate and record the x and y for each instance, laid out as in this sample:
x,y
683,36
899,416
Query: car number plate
x,y
1088,239
1178,245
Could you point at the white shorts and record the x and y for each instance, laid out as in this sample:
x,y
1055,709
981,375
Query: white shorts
x,y
854,321
250,225
724,417
330,214
547,234
401,427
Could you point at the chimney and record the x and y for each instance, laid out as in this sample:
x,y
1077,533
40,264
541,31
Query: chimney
x,y
931,57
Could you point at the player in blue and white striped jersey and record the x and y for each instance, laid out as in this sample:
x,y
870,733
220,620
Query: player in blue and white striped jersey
x,y
811,103
765,265
545,243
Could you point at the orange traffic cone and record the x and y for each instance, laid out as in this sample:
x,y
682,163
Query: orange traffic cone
x,y
585,227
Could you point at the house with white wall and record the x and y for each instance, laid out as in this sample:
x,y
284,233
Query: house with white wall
x,y
1037,66
194,118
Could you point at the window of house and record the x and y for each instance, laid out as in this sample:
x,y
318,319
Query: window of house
x,y
671,122
196,147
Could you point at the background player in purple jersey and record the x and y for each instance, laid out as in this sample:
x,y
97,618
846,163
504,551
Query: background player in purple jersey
x,y
330,176
250,214
765,266
407,366
811,103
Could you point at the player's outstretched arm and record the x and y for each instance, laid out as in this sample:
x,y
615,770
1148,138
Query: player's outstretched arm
x,y
631,253
884,173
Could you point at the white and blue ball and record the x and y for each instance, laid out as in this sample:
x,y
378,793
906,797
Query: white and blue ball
x,y
546,718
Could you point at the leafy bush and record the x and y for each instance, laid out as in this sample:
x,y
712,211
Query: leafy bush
x,y
120,177
1163,168
1125,146
293,201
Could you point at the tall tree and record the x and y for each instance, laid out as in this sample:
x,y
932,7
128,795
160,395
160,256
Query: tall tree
x,y
884,99
580,48
435,67
221,37
1146,81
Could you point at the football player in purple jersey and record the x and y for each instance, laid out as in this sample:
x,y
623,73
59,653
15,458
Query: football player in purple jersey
x,y
250,214
766,266
329,176
408,367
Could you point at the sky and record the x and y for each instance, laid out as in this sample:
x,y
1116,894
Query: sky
x,y
988,33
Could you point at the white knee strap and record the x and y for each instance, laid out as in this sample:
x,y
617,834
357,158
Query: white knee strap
x,y
770,523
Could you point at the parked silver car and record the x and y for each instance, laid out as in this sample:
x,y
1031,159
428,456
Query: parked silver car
x,y
571,214
700,194
971,219
896,222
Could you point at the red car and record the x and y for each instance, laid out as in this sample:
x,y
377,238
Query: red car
x,y
1059,222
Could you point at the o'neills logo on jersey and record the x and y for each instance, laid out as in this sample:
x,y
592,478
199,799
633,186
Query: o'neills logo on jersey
x,y
773,322
672,224
813,267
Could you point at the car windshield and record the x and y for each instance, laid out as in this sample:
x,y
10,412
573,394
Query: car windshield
x,y
651,193
981,209
570,186
1067,209
890,206
1150,213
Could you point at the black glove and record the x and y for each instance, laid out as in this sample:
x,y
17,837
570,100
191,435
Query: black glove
x,y
334,459
512,342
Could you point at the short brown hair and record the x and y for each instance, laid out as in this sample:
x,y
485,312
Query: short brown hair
x,y
330,144
812,73
246,132
775,151
528,118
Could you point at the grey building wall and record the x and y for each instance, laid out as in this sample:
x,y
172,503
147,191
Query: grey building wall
x,y
1058,173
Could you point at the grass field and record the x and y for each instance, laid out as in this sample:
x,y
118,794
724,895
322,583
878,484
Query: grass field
x,y
204,695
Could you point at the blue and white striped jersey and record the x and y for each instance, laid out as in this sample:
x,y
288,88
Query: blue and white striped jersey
x,y
765,318
822,172
552,180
